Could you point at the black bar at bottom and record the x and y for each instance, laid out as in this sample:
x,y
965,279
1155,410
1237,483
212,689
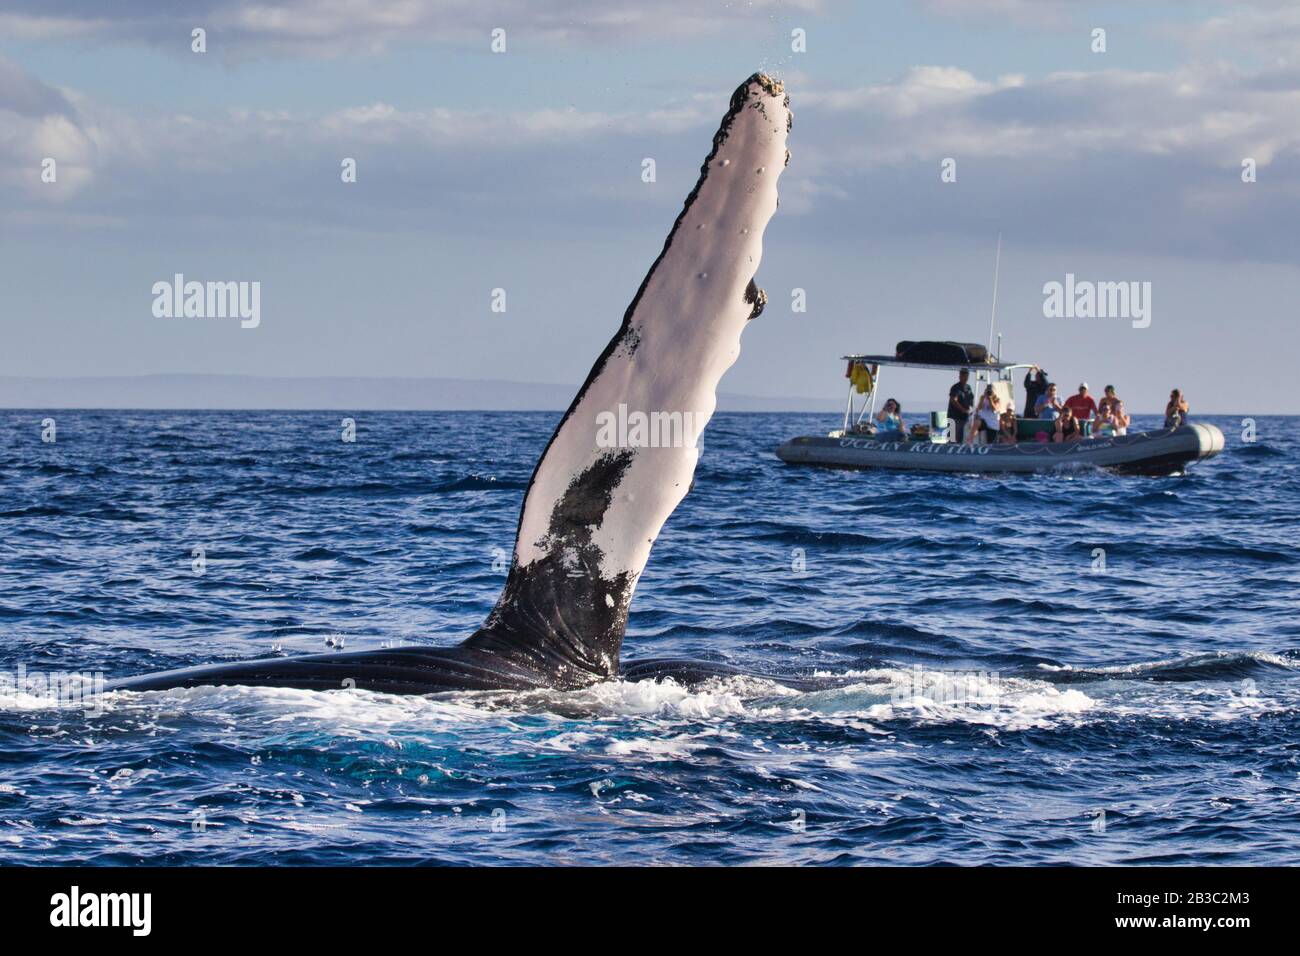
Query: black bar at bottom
x,y
335,905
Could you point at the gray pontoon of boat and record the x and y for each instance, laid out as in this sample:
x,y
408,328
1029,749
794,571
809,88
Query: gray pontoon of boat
x,y
1167,451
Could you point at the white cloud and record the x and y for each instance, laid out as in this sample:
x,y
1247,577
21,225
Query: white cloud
x,y
1126,157
1047,14
128,166
923,90
243,28
1268,31
1195,113
38,122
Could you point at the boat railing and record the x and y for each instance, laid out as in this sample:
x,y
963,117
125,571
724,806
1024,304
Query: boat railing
x,y
868,386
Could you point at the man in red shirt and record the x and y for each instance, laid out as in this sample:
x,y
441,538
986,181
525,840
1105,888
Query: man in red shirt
x,y
1082,404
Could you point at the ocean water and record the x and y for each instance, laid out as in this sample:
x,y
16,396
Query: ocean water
x,y
1069,669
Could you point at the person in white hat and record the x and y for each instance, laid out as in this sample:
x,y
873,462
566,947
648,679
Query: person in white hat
x,y
1082,404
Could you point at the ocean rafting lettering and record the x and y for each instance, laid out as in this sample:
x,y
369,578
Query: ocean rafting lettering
x,y
1086,299
74,908
208,300
919,448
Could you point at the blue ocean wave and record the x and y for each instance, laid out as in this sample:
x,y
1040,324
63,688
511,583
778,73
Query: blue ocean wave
x,y
937,669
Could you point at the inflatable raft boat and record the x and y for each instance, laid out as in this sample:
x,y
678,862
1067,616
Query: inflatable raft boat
x,y
1165,452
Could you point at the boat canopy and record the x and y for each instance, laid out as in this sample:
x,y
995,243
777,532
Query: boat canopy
x,y
865,371
940,366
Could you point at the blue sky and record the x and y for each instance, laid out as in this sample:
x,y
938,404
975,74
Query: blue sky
x,y
522,171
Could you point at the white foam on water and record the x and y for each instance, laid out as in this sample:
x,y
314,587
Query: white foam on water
x,y
315,828
875,701
16,700
656,748
1124,691
1180,702
882,695
720,697
927,696
340,710
570,741
1188,661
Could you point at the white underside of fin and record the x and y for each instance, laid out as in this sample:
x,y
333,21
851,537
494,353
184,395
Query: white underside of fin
x,y
683,333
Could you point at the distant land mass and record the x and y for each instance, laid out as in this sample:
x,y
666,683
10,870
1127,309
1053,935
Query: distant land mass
x,y
186,391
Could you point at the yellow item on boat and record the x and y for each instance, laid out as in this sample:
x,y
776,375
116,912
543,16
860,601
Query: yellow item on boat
x,y
861,378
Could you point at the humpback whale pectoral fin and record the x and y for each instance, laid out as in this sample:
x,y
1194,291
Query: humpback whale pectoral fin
x,y
592,512
593,507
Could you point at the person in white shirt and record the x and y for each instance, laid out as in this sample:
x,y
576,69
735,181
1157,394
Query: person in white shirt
x,y
989,416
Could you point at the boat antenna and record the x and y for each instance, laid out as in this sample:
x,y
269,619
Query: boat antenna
x,y
993,317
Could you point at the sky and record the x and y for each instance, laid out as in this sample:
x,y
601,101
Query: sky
x,y
522,170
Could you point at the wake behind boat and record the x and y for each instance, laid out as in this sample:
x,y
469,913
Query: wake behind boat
x,y
1026,445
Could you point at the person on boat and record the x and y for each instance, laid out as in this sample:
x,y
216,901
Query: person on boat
x,y
1103,426
1108,399
1035,388
1111,420
1067,427
1119,418
1049,406
890,421
1083,405
1104,423
1008,429
987,416
1176,410
961,399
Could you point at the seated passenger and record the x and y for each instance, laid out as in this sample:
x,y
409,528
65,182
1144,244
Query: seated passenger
x,y
987,414
890,419
1119,417
1108,400
1049,406
1067,427
1176,410
1103,426
1007,433
1081,404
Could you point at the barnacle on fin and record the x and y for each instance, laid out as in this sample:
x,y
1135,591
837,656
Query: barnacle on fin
x,y
755,297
